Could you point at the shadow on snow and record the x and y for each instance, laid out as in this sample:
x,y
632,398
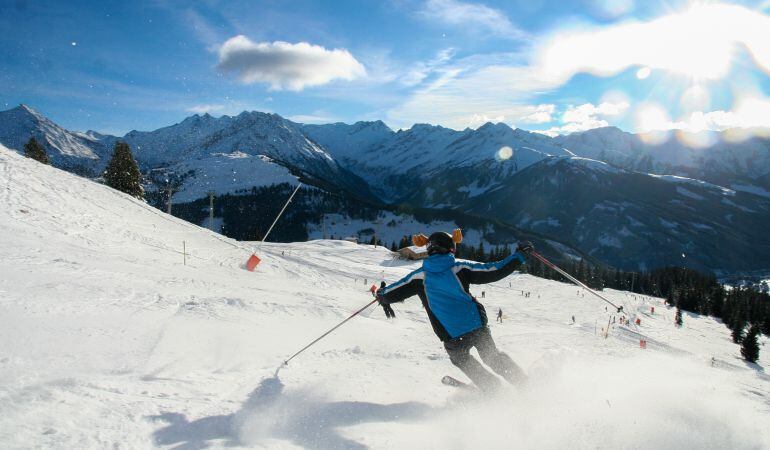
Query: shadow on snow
x,y
306,422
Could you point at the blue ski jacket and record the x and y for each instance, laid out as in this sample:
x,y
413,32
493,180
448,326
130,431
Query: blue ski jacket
x,y
442,284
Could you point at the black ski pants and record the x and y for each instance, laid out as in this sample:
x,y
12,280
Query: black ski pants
x,y
459,353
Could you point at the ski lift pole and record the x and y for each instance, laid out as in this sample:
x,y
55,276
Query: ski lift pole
x,y
286,362
573,279
299,184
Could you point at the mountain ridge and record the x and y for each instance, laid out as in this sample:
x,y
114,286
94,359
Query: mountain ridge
x,y
427,166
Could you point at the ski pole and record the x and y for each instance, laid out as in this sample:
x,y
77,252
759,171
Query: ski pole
x,y
573,279
286,363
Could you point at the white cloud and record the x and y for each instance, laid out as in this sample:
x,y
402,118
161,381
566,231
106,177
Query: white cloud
x,y
421,70
542,114
206,108
698,42
317,117
507,85
588,112
471,16
283,65
747,113
476,87
587,116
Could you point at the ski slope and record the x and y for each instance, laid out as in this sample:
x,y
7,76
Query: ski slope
x,y
110,337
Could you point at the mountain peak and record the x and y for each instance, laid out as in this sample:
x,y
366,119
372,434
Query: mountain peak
x,y
603,131
425,127
375,125
495,127
27,110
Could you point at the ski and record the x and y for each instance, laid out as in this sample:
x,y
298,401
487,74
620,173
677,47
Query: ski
x,y
454,382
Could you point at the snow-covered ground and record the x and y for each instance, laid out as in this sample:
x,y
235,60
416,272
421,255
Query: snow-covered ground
x,y
228,173
109,340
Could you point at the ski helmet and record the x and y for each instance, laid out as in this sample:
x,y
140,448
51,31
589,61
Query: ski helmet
x,y
440,242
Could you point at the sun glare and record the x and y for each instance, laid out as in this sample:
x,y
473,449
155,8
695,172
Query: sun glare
x,y
504,153
653,122
698,43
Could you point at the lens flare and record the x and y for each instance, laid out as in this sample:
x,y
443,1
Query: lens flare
x,y
504,153
653,122
699,139
695,98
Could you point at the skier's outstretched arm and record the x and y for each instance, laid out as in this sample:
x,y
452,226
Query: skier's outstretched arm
x,y
401,289
482,273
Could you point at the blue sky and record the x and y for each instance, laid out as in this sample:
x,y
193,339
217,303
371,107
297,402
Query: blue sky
x,y
553,66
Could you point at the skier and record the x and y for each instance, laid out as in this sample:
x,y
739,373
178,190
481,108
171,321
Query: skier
x,y
389,313
500,315
458,319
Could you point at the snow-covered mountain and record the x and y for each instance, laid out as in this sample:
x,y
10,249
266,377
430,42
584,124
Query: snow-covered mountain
x,y
196,149
349,143
742,164
73,151
407,164
635,220
111,338
250,133
483,172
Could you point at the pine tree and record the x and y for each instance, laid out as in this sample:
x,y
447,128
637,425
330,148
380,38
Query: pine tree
x,y
32,149
122,173
738,328
750,346
582,271
678,319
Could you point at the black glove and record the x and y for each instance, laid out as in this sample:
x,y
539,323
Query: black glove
x,y
525,247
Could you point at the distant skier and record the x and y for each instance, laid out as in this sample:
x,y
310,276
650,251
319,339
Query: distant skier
x,y
389,313
458,319
500,315
573,320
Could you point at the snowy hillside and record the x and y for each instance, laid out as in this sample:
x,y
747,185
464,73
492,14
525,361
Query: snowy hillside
x,y
227,173
108,339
